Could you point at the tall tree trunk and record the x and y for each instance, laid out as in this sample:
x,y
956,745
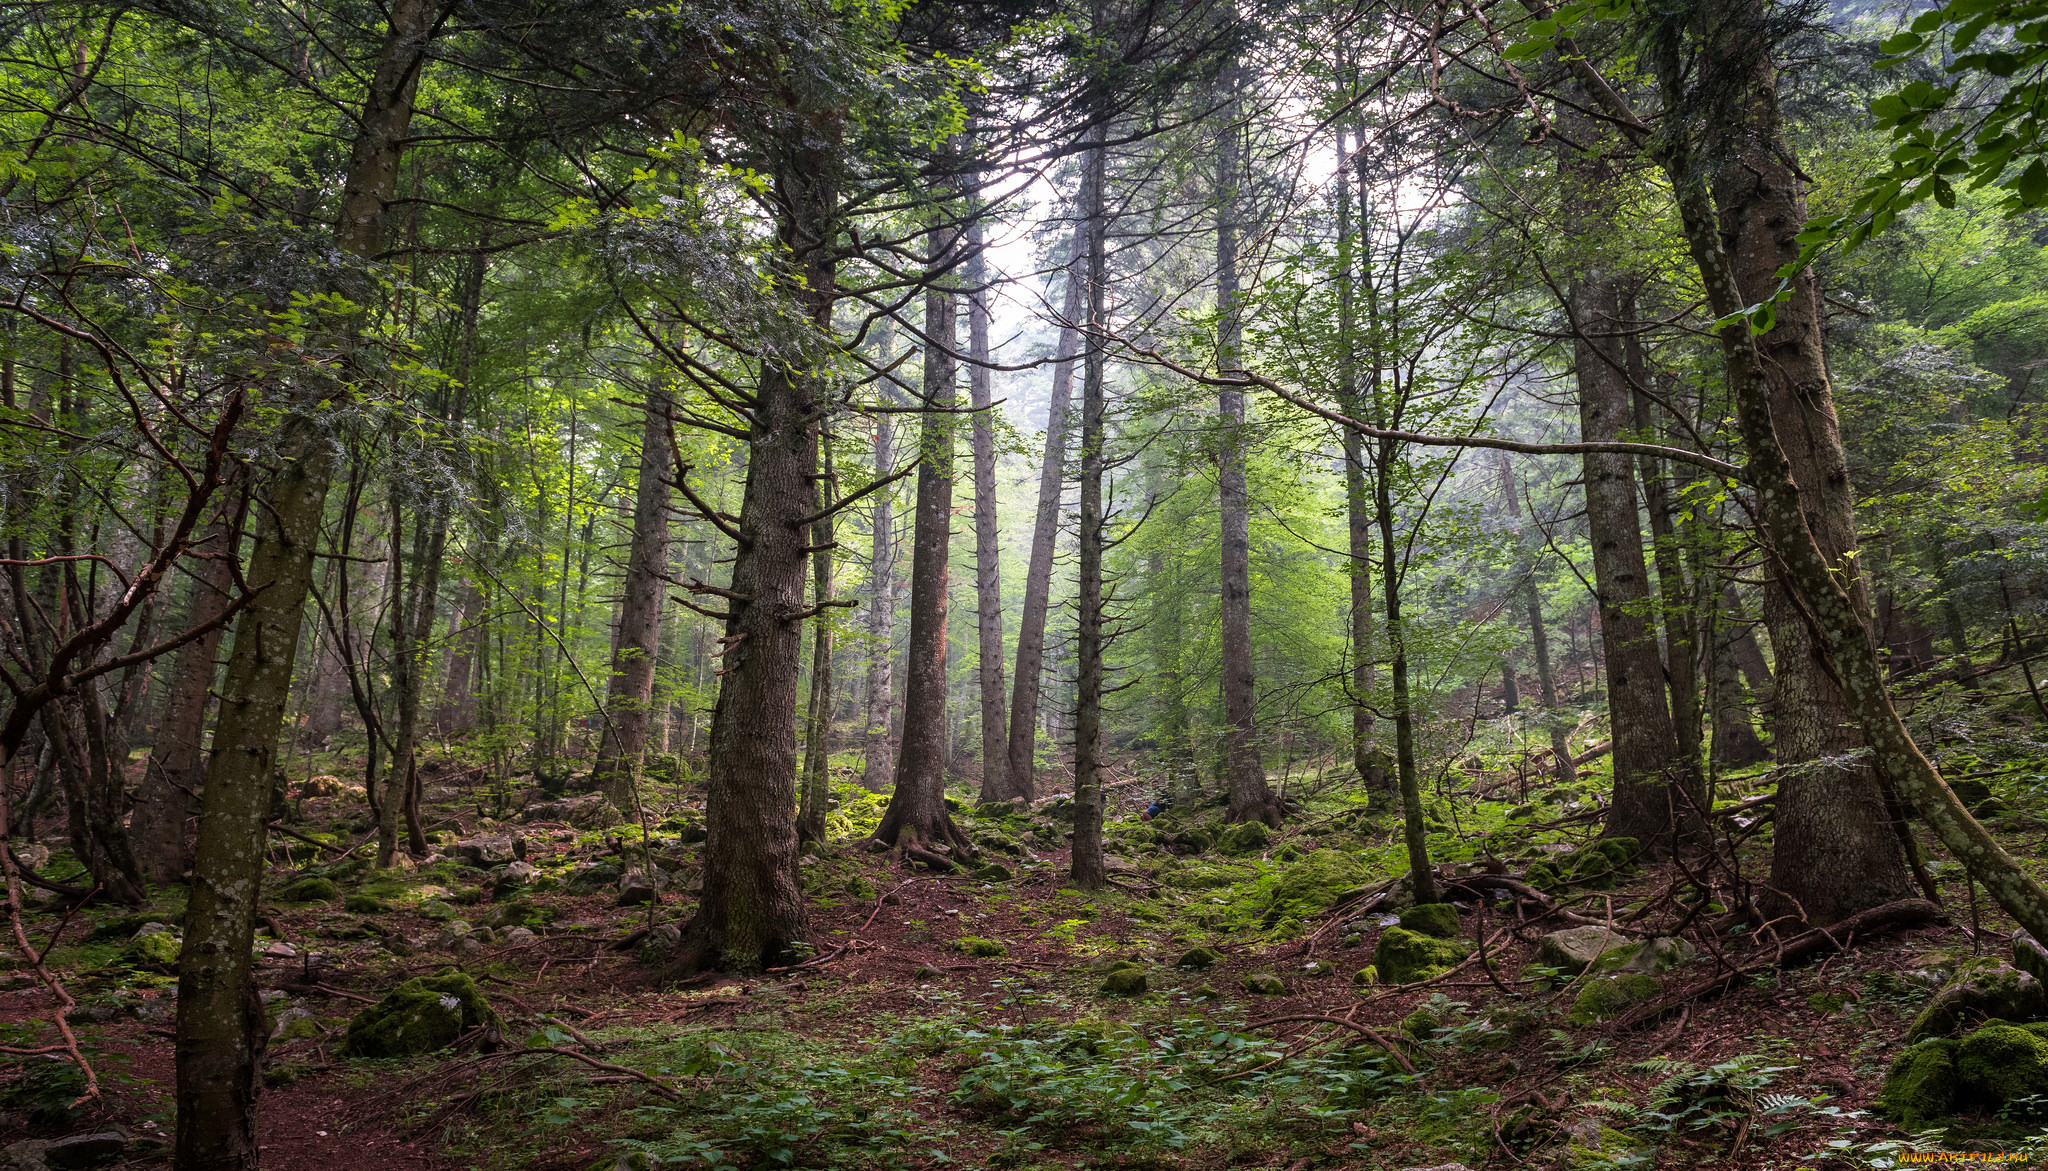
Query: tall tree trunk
x,y
1366,756
1244,771
1030,673
630,697
1839,845
1735,738
1421,877
817,787
1645,747
917,809
996,784
467,648
221,1026
879,771
1674,592
1086,867
1539,637
753,907
167,798
412,626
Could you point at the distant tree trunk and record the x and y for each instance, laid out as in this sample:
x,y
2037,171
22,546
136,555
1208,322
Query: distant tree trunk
x,y
1366,756
412,627
1539,637
467,648
1422,877
1735,739
221,1025
753,907
1086,868
1674,592
167,798
1645,747
630,697
1029,675
817,786
1244,770
878,773
917,809
996,784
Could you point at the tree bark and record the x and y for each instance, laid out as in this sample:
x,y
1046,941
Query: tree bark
x,y
878,773
1735,740
1366,757
630,697
996,784
817,786
917,809
1539,638
1086,868
1674,591
221,1026
412,626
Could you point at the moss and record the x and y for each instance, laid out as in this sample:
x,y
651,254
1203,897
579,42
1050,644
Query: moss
x,y
987,949
1264,984
1979,990
1827,1003
860,888
1124,982
1436,920
158,949
1248,837
2002,1062
1921,1084
1199,877
1197,959
523,913
366,904
994,872
419,1016
1421,1024
1610,996
1404,956
1366,976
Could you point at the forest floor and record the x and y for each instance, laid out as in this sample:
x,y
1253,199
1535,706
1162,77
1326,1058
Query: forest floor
x,y
963,1020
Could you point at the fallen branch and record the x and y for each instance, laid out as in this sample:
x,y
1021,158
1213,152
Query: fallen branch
x,y
1354,1026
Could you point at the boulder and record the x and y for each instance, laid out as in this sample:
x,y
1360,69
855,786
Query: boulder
x,y
1315,881
1264,984
980,948
312,889
1574,949
1248,837
1979,990
1651,956
661,945
2000,1063
994,872
638,887
85,1150
487,851
1421,1024
1921,1084
1124,982
419,1016
1609,996
1366,976
1197,959
1405,957
2029,956
362,904
153,948
295,1024
1436,920
514,876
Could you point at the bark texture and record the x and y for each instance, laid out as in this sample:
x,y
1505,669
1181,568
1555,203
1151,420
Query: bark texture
x,y
629,701
996,784
1086,868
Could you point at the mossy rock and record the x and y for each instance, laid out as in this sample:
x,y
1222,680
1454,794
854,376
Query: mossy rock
x,y
1264,984
308,890
1406,957
1827,1003
523,913
986,949
860,888
1124,982
1197,959
1315,881
1366,976
365,904
1436,920
155,949
1982,989
125,926
1654,956
994,872
419,1016
1921,1084
1421,1024
1610,996
1247,837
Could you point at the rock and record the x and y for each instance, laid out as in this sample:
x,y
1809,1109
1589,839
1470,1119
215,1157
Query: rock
x,y
1248,837
1440,1167
661,945
1610,996
1574,949
1314,882
1421,1024
637,888
85,1150
362,904
1998,1064
2029,956
1352,940
927,972
1197,959
1316,968
1980,989
1405,957
1124,982
2002,1063
1436,920
1264,984
1921,1083
986,949
295,1024
26,1155
994,872
157,949
1970,792
487,852
312,889
419,1016
514,876
595,877
519,936
1366,976
1651,956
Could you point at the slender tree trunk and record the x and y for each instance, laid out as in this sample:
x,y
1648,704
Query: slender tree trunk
x,y
1366,756
917,809
630,697
467,648
1244,771
996,784
412,625
1539,637
1030,672
878,773
1735,738
167,799
1674,592
1422,877
817,787
221,1026
753,906
1086,867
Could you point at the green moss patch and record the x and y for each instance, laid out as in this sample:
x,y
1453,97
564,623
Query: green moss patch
x,y
1405,957
419,1016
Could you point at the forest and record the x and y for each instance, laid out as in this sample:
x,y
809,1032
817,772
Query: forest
x,y
1165,585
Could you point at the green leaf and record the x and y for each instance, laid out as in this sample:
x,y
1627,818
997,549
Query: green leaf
x,y
2032,185
1903,43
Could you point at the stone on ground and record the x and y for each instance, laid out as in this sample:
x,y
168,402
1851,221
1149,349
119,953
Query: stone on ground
x,y
419,1016
1980,990
1436,920
1406,957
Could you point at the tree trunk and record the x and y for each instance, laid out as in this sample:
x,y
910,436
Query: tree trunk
x,y
1646,759
630,697
917,809
1244,771
878,773
1539,638
1086,867
753,906
467,649
167,799
1030,672
996,784
412,626
221,1026
1421,877
1366,756
1674,591
817,787
1735,739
